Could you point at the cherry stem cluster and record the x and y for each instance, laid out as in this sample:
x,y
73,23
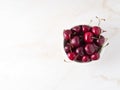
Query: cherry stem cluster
x,y
99,20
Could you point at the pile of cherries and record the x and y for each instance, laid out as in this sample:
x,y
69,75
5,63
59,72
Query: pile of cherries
x,y
83,43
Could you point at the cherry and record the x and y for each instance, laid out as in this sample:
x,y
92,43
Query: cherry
x,y
85,28
78,58
96,47
67,48
89,48
71,55
75,41
95,56
77,29
88,37
96,30
101,40
80,51
67,34
85,58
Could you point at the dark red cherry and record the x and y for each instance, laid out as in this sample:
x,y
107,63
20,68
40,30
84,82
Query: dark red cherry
x,y
67,48
67,34
85,59
100,41
85,28
88,37
77,29
96,47
89,49
96,30
95,56
71,55
75,41
80,51
78,58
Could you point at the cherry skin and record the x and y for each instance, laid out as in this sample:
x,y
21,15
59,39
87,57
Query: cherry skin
x,y
75,41
85,28
101,40
77,29
71,55
96,30
89,49
88,37
85,59
80,51
67,34
95,56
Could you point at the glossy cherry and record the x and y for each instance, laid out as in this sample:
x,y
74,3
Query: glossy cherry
x,y
67,34
100,41
88,37
80,51
71,55
95,56
77,28
89,49
85,28
75,41
85,59
96,30
96,47
67,48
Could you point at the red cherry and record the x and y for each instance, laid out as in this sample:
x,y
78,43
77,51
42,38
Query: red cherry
x,y
78,59
85,28
88,37
80,51
89,48
67,34
75,41
96,30
96,47
67,48
100,41
95,56
85,59
77,28
71,55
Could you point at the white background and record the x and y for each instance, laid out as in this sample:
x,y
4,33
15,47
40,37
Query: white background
x,y
31,51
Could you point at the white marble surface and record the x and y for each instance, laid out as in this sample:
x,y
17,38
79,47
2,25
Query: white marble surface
x,y
31,53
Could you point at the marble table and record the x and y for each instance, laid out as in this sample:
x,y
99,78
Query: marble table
x,y
31,45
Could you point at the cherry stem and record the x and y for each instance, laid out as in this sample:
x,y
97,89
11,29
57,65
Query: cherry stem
x,y
102,19
95,38
66,61
106,44
103,31
103,47
76,57
70,49
99,20
90,22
